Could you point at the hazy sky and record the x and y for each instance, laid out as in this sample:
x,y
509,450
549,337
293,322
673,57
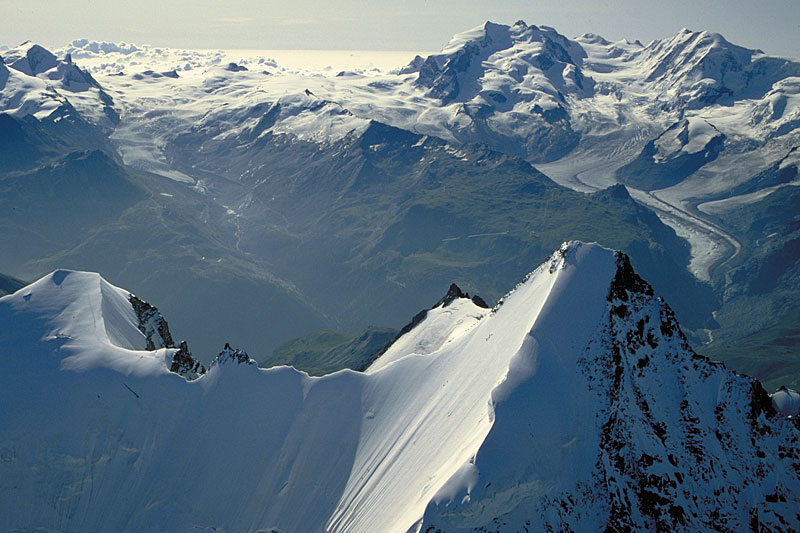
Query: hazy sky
x,y
424,25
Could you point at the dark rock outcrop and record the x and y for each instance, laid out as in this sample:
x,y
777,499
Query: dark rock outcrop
x,y
184,364
152,325
232,355
155,329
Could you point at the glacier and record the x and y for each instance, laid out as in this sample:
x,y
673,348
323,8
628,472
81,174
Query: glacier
x,y
587,112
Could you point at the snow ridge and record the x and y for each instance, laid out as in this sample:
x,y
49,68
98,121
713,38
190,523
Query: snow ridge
x,y
574,404
656,438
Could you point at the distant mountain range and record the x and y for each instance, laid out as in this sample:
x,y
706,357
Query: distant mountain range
x,y
260,203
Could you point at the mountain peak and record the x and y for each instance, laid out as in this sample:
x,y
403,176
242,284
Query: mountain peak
x,y
91,323
379,133
36,61
31,59
593,38
453,293
459,71
708,68
578,397
487,34
232,356
657,433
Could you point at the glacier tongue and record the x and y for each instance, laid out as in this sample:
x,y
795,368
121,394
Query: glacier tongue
x,y
574,403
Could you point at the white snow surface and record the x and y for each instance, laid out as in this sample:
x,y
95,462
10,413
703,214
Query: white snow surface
x,y
698,133
97,435
24,95
787,401
507,74
242,447
92,321
34,82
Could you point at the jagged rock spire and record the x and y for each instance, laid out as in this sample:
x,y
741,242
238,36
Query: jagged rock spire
x,y
152,324
184,364
233,355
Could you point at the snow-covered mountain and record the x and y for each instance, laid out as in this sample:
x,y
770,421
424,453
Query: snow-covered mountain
x,y
34,82
697,114
525,90
229,145
574,403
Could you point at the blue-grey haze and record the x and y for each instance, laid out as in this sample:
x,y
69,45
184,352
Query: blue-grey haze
x,y
771,25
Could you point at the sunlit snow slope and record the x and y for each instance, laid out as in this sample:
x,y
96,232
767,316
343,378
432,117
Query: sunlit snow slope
x,y
474,418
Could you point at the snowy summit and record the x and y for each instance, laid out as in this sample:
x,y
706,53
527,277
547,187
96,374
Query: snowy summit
x,y
574,404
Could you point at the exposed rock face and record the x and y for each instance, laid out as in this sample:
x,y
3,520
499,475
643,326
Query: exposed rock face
x,y
685,443
234,67
453,293
152,324
480,302
184,364
34,61
157,335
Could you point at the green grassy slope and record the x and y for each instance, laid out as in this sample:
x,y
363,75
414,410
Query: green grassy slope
x,y
771,354
324,351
